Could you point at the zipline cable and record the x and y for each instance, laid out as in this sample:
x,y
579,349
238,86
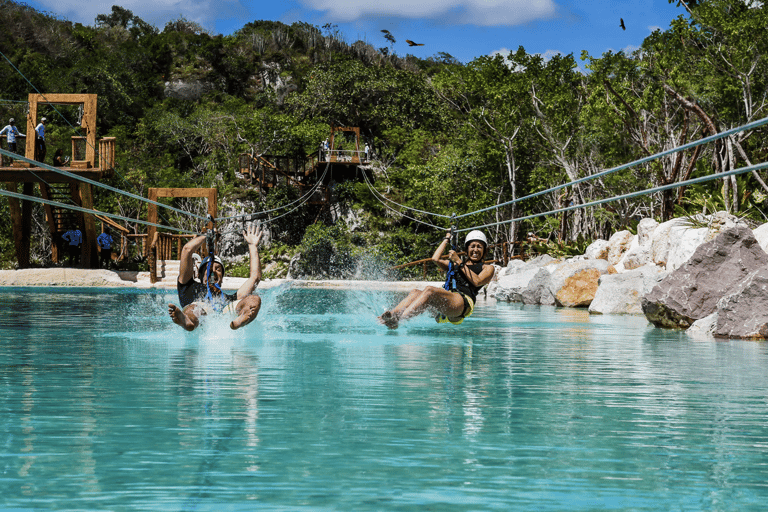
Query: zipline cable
x,y
382,196
717,136
303,199
95,183
91,212
630,195
77,130
370,187
250,216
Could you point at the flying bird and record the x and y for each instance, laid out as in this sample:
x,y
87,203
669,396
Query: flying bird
x,y
621,24
385,31
411,43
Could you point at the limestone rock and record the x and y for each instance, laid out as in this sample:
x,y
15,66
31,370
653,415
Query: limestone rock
x,y
691,292
559,279
597,250
685,245
515,277
621,293
537,292
638,256
665,238
189,90
744,312
618,244
703,328
761,234
645,229
579,289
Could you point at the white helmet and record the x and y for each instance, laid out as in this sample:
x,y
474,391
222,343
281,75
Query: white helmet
x,y
204,264
475,236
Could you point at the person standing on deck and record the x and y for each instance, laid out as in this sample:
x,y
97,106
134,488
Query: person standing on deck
x,y
198,298
456,301
11,132
40,148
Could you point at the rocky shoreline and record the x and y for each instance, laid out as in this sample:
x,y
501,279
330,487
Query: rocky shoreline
x,y
77,278
709,277
711,280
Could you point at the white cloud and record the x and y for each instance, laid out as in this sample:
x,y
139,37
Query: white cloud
x,y
156,12
474,12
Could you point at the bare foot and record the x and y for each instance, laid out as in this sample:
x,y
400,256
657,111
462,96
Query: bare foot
x,y
389,320
179,318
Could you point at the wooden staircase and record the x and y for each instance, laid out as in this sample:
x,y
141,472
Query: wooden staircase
x,y
63,219
168,271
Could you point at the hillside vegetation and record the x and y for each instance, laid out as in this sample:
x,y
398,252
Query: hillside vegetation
x,y
447,137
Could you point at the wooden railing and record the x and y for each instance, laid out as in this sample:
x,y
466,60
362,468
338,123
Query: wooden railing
x,y
162,248
425,262
107,154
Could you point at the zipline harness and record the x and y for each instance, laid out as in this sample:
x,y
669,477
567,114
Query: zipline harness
x,y
210,238
450,278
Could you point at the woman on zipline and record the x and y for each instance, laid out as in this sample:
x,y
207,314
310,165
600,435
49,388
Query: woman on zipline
x,y
456,300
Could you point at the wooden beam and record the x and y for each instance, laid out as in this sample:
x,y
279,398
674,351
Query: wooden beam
x,y
154,193
89,254
37,174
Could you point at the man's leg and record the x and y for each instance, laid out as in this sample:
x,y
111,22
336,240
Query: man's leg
x,y
247,309
186,318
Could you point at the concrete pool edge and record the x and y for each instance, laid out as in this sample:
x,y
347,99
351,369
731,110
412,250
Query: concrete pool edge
x,y
77,277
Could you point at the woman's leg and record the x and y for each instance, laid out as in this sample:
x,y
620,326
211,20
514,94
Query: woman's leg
x,y
450,304
392,317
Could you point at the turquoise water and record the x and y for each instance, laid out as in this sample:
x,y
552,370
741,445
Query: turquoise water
x,y
106,405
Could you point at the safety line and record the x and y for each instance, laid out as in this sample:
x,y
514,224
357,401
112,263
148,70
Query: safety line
x,y
96,183
91,212
376,192
630,195
370,187
305,198
748,126
77,129
250,216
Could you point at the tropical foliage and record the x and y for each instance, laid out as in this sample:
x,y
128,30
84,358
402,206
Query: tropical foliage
x,y
447,138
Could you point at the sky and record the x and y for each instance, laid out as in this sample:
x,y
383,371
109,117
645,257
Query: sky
x,y
465,29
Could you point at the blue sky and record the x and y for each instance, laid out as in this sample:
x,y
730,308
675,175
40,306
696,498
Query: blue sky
x,y
465,29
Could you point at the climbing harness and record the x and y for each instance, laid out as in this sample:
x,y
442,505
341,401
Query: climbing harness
x,y
210,237
450,278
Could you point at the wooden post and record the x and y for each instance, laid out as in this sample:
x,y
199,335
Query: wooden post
x,y
154,193
88,253
21,220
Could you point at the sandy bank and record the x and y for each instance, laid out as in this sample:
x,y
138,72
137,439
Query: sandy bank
x,y
77,277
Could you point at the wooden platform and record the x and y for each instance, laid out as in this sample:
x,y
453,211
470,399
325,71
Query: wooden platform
x,y
36,174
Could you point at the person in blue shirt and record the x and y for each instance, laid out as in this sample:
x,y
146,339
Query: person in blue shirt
x,y
73,237
40,148
203,297
104,242
11,133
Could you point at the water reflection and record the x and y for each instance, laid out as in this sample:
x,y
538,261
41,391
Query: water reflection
x,y
317,406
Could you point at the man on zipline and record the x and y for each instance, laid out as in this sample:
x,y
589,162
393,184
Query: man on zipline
x,y
456,300
202,297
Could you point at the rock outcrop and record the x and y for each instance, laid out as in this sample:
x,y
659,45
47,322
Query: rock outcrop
x,y
621,293
743,313
691,292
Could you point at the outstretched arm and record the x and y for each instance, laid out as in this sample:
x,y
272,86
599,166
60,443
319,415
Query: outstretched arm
x,y
252,238
439,252
186,265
